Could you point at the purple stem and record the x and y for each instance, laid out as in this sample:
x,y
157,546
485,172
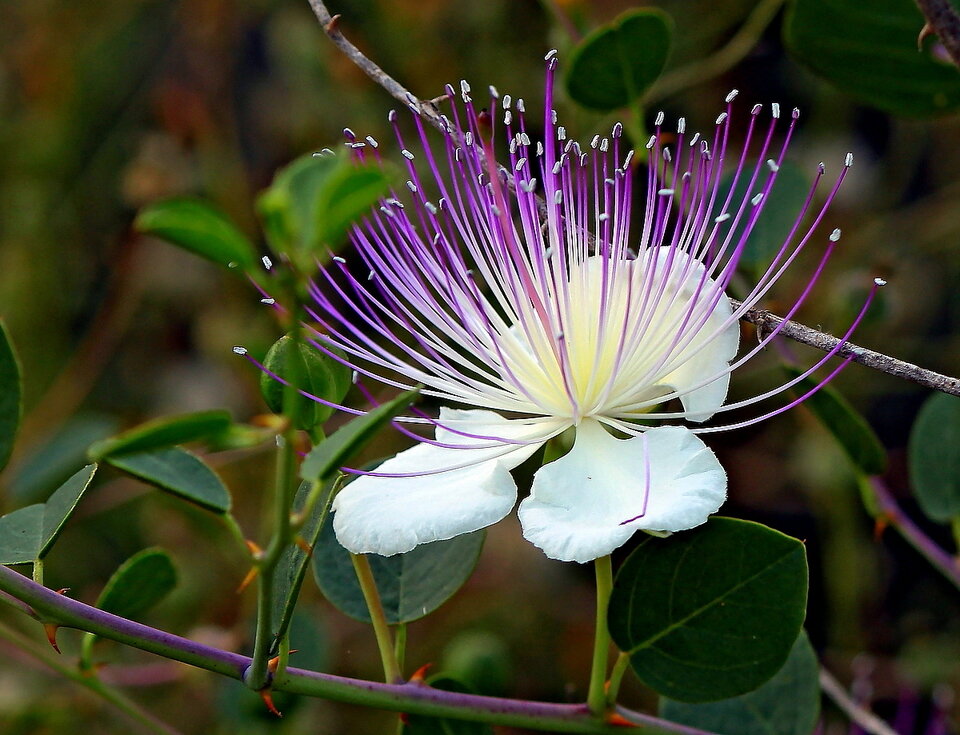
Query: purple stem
x,y
411,697
939,558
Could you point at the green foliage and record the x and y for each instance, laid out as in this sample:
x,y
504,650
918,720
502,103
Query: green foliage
x,y
710,613
848,427
46,468
935,457
422,725
411,585
198,227
328,455
617,62
292,566
788,704
179,472
319,375
10,396
780,210
163,432
313,201
869,50
27,534
139,583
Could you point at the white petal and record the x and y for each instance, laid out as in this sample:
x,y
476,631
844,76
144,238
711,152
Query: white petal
x,y
579,504
700,359
392,515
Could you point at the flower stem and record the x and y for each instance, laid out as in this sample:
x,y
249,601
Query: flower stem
x,y
381,629
596,696
616,677
285,488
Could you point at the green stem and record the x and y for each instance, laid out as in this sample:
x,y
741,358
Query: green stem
x,y
285,489
400,646
381,629
717,63
38,571
616,678
596,696
88,681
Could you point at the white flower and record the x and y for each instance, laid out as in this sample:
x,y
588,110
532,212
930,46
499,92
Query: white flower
x,y
542,317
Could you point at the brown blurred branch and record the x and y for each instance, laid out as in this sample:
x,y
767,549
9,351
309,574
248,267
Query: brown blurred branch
x,y
764,320
943,20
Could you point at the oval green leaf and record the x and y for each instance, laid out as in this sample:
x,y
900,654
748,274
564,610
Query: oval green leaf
x,y
198,227
780,209
617,62
935,458
312,202
10,396
788,704
848,427
60,505
331,453
21,532
411,585
710,613
27,534
179,472
869,50
139,583
318,374
163,432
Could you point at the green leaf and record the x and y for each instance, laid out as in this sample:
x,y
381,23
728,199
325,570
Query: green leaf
x,y
710,613
330,454
869,50
27,534
139,583
788,704
11,398
423,725
850,429
780,210
411,585
163,432
617,62
293,563
312,202
21,532
179,472
935,457
197,226
320,375
59,457
60,505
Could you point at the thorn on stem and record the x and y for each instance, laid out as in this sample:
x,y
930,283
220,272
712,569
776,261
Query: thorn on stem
x,y
267,696
924,34
302,544
51,630
333,25
251,575
880,525
616,719
420,675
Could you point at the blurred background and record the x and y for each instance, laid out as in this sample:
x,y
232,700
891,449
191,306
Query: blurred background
x,y
108,106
